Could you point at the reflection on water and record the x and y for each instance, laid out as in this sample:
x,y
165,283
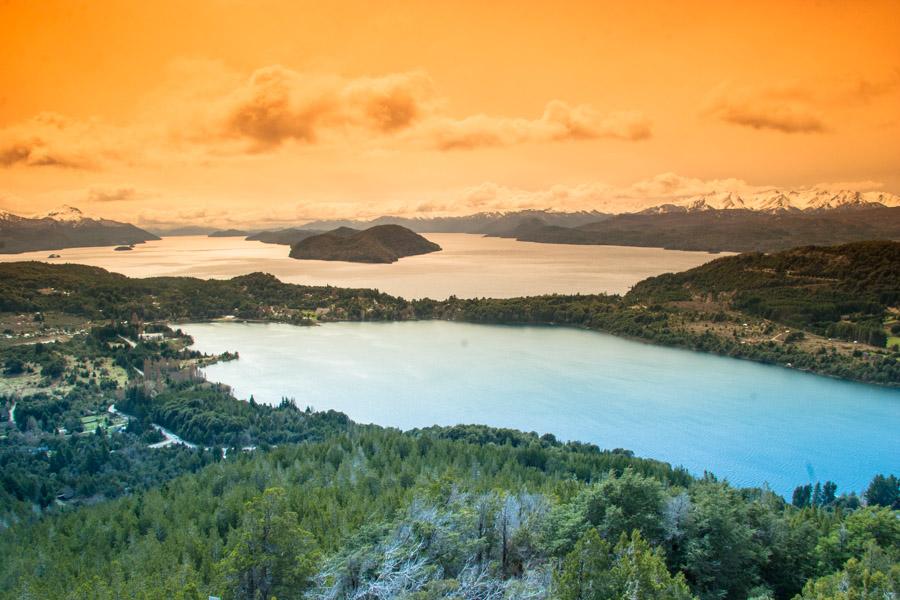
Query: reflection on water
x,y
468,266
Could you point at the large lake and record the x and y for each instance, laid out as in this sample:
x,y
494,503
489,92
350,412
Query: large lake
x,y
469,266
748,422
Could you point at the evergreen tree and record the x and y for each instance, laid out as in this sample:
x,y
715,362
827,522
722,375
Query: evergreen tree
x,y
884,491
270,555
802,496
632,569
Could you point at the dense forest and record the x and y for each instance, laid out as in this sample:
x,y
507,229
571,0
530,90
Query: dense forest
x,y
453,513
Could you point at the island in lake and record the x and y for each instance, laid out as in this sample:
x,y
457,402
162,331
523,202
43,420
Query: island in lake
x,y
379,244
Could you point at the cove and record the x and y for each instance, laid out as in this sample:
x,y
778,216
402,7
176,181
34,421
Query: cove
x,y
750,423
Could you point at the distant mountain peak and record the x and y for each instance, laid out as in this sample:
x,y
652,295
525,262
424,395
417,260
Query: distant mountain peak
x,y
65,227
64,214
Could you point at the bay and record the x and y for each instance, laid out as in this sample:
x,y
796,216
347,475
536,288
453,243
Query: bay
x,y
753,424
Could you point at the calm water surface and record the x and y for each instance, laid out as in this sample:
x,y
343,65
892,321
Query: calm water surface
x,y
748,422
469,266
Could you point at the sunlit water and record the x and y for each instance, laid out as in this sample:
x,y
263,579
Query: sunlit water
x,y
751,423
468,266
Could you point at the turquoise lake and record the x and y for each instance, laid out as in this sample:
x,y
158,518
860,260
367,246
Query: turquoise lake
x,y
750,423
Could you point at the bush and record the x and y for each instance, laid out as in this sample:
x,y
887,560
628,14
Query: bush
x,y
13,366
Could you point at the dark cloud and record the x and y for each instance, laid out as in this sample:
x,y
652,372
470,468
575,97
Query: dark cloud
x,y
773,109
116,194
785,119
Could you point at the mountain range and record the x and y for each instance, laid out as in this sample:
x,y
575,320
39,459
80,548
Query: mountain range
x,y
66,227
763,220
774,201
718,221
485,223
718,230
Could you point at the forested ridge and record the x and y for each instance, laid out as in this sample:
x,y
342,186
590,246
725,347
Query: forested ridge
x,y
839,291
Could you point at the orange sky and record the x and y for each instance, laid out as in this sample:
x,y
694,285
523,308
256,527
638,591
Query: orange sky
x,y
265,112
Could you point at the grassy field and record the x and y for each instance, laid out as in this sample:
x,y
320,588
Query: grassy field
x,y
108,422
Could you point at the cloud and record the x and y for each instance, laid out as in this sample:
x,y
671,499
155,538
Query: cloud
x,y
559,122
227,115
12,203
53,140
277,104
659,189
855,186
867,90
668,187
490,196
112,194
785,109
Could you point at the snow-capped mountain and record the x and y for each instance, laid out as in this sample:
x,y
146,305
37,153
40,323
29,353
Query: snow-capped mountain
x,y
7,216
774,200
64,214
74,216
65,227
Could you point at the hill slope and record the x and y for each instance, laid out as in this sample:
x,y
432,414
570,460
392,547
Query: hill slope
x,y
380,244
65,228
839,291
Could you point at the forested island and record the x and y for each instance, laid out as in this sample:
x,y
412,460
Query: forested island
x,y
379,244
